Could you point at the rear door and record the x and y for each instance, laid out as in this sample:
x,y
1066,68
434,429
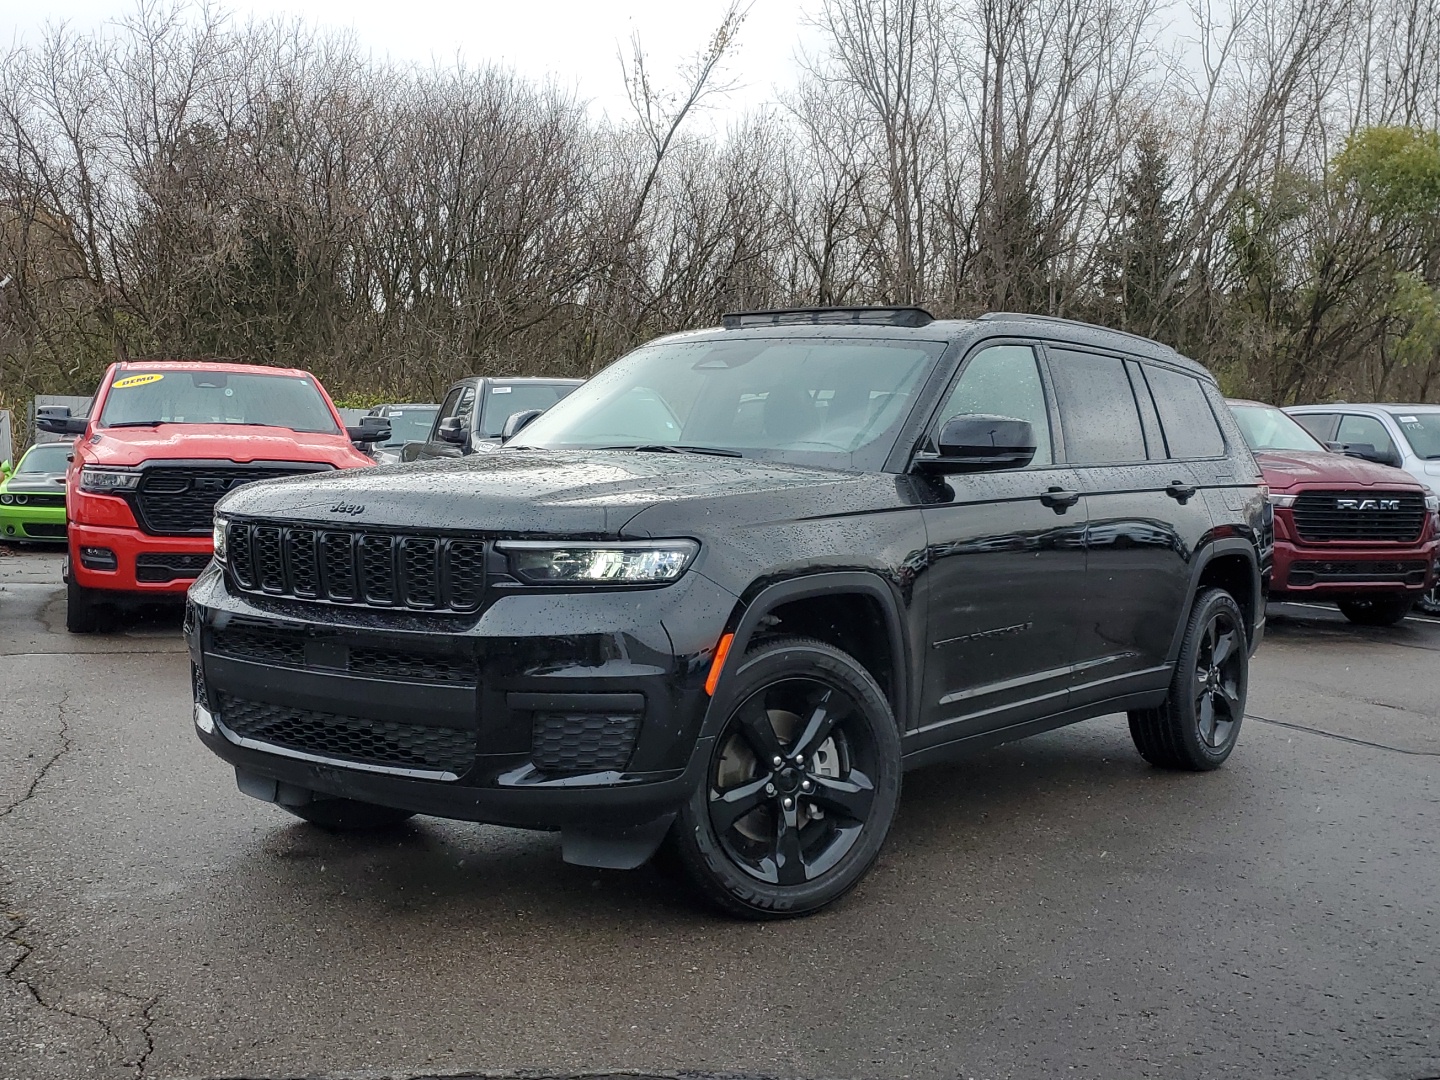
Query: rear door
x,y
1006,565
1146,517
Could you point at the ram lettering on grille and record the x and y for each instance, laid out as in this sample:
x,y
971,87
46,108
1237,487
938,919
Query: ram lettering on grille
x,y
1367,504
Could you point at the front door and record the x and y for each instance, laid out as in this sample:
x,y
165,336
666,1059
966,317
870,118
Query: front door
x,y
1006,567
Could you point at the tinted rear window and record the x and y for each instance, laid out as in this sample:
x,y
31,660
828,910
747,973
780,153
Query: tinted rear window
x,y
1097,408
1191,430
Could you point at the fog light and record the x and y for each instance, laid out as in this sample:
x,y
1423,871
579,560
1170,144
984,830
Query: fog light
x,y
98,558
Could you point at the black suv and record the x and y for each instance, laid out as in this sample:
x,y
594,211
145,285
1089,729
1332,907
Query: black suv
x,y
472,417
725,592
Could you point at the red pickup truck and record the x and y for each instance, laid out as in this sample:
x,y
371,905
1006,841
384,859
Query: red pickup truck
x,y
163,443
1347,531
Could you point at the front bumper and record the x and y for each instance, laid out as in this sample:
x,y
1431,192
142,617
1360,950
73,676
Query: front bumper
x,y
144,565
568,710
37,523
1343,570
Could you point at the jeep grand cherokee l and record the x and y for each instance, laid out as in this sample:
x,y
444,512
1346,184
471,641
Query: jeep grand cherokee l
x,y
163,443
722,594
1347,531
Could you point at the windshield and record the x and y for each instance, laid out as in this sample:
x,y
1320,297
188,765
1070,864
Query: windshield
x,y
217,397
45,458
409,424
1265,428
823,401
1423,431
503,401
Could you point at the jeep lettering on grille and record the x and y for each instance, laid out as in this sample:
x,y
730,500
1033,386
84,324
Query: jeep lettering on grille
x,y
1367,504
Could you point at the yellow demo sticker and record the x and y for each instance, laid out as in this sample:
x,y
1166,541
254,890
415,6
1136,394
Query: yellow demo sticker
x,y
136,380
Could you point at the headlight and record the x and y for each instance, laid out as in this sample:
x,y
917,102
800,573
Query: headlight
x,y
221,526
641,562
108,481
7,499
1432,503
1281,500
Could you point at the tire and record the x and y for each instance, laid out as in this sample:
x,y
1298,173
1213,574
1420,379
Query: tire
x,y
82,610
806,840
1381,611
1429,600
1196,727
348,815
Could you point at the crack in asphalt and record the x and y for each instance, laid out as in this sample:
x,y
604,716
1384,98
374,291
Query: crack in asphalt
x,y
65,747
1341,738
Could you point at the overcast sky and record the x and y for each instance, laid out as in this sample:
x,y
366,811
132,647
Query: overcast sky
x,y
574,41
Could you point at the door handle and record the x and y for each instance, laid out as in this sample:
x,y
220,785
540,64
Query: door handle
x,y
1180,491
1059,499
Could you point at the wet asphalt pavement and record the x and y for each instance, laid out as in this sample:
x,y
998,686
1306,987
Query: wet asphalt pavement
x,y
1053,908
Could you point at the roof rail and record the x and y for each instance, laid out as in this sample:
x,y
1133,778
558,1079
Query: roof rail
x,y
1001,316
851,316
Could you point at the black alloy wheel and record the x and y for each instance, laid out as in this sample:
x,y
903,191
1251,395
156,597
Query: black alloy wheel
x,y
1197,725
1429,601
801,788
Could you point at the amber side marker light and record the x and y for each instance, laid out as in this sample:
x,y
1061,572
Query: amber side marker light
x,y
722,650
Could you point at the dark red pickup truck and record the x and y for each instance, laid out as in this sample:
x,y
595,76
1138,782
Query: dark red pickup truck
x,y
1347,531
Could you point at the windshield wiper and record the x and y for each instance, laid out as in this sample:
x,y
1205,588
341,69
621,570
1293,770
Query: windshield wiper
x,y
139,423
675,448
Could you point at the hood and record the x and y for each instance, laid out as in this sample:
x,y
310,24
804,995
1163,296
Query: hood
x,y
1285,469
576,494
32,483
238,443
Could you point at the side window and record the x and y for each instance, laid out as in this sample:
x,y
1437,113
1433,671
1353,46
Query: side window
x,y
1191,430
447,410
1097,408
1004,380
465,409
1321,425
1365,429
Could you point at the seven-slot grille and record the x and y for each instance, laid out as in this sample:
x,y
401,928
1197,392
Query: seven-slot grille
x,y
179,500
1393,516
422,573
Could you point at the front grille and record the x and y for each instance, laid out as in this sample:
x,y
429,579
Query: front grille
x,y
169,566
421,573
33,498
1309,573
286,648
33,529
582,742
179,500
350,738
1396,517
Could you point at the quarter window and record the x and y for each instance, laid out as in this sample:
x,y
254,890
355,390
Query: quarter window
x,y
1097,408
1191,430
1004,380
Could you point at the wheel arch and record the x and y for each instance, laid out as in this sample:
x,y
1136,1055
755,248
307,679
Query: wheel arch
x,y
816,606
1229,563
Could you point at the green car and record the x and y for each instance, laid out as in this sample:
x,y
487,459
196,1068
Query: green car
x,y
32,498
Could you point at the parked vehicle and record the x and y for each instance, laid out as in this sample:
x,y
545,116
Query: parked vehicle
x,y
32,498
408,424
472,417
1405,436
1347,530
163,443
752,573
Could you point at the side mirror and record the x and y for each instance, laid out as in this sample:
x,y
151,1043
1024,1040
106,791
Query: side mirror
x,y
451,430
372,429
517,420
57,420
978,442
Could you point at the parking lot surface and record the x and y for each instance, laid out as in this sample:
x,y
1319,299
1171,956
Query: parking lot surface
x,y
1050,908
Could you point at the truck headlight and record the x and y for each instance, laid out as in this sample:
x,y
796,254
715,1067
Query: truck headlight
x,y
108,481
626,562
1432,503
222,525
1281,500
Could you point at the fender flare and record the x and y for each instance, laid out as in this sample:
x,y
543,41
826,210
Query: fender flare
x,y
1207,554
828,583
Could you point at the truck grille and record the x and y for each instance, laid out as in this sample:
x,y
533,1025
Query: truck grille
x,y
163,566
1409,572
1396,517
351,738
421,573
179,500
